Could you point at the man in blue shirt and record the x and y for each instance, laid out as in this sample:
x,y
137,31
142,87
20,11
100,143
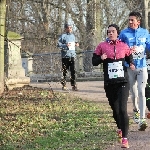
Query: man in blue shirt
x,y
66,43
138,40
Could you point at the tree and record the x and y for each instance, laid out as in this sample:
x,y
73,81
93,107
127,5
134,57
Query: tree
x,y
140,6
40,22
134,5
2,35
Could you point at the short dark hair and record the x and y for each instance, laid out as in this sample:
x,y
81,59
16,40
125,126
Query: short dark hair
x,y
67,25
136,14
115,26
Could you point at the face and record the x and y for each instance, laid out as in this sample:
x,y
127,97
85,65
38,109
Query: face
x,y
133,22
112,33
69,29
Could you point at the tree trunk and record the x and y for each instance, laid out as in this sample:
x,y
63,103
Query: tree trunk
x,y
90,24
98,22
94,25
2,33
146,15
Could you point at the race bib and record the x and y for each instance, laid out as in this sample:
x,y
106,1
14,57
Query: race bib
x,y
139,54
72,45
148,64
115,70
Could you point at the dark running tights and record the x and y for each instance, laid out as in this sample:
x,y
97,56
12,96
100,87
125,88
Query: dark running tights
x,y
117,95
69,64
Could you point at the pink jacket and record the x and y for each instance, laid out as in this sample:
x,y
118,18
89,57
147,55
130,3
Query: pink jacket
x,y
113,50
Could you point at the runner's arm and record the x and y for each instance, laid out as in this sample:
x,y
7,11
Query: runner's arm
x,y
96,59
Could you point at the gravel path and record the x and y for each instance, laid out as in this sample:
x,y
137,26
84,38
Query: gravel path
x,y
93,90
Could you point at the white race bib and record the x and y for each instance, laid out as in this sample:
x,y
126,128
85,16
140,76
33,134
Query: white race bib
x,y
115,70
148,64
72,45
139,54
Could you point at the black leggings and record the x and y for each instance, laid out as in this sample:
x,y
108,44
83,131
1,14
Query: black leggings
x,y
117,95
69,64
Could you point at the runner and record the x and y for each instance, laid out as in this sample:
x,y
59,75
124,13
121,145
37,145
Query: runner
x,y
138,40
113,53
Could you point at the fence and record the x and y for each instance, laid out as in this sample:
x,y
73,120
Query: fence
x,y
48,66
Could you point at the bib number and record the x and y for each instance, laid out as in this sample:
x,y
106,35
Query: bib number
x,y
139,54
115,70
72,46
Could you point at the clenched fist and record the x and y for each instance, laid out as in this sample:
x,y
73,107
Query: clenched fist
x,y
104,56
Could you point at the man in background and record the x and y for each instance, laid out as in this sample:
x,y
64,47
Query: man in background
x,y
66,43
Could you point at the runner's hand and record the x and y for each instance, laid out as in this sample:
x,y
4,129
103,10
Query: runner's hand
x,y
132,67
133,49
68,44
104,56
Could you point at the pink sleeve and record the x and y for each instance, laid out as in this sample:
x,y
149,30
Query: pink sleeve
x,y
98,50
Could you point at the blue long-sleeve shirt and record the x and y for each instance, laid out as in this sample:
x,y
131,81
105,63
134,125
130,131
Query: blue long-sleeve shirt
x,y
140,38
67,52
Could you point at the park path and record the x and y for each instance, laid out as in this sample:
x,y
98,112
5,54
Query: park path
x,y
93,90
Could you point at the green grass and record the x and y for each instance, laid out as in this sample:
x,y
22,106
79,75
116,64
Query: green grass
x,y
12,35
62,123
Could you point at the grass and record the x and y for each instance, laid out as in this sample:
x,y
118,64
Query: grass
x,y
12,35
63,123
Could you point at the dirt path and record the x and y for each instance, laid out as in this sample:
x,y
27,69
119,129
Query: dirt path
x,y
93,90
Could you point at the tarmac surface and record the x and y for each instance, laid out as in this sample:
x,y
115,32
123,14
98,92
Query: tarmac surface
x,y
93,91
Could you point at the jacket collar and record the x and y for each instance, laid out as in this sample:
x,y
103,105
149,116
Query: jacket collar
x,y
68,33
113,42
139,28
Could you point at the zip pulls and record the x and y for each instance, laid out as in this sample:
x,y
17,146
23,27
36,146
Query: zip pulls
x,y
115,52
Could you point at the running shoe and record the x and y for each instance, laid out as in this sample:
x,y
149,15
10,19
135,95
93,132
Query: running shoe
x,y
142,125
119,134
136,116
125,143
74,88
64,88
